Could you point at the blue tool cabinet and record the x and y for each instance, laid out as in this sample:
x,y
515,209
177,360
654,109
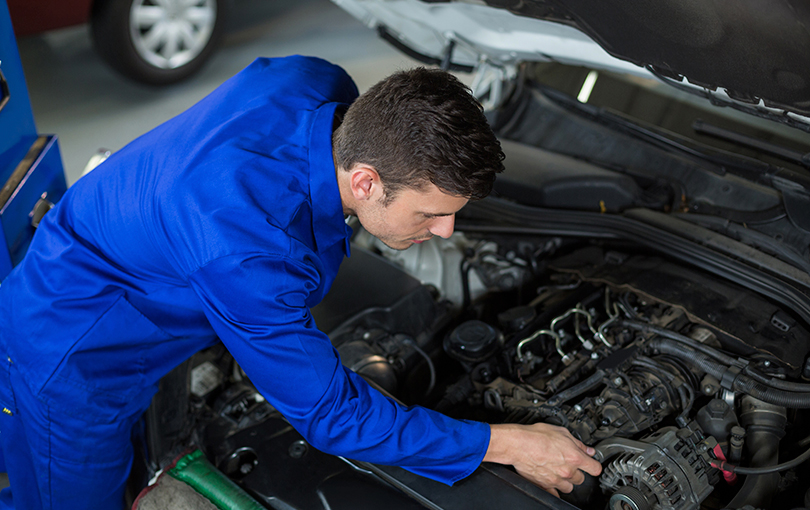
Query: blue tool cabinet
x,y
30,164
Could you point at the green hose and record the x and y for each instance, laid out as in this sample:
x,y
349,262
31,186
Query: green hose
x,y
195,470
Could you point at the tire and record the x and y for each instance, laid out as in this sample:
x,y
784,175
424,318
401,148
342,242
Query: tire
x,y
157,42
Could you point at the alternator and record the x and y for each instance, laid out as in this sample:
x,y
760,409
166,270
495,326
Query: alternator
x,y
668,470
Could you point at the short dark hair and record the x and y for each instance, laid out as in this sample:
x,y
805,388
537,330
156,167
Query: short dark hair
x,y
417,127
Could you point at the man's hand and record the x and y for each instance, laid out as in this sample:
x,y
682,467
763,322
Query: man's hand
x,y
547,455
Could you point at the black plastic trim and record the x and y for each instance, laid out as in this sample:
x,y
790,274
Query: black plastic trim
x,y
489,486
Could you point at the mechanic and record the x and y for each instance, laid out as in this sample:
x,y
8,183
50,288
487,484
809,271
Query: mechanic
x,y
227,223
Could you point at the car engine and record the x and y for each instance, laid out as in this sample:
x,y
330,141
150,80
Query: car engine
x,y
676,377
688,386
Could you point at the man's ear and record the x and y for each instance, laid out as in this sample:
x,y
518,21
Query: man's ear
x,y
364,182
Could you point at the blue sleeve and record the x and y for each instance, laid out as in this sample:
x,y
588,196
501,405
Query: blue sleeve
x,y
256,304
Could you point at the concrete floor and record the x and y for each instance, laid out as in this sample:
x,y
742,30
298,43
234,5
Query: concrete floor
x,y
88,106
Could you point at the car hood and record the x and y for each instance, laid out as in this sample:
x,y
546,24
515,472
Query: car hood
x,y
754,49
755,52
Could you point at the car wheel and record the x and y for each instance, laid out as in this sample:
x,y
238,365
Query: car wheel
x,y
157,41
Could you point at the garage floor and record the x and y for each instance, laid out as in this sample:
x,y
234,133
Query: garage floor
x,y
76,96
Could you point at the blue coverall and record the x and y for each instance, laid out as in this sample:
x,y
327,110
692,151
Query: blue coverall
x,y
223,223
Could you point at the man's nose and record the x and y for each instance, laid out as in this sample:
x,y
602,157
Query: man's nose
x,y
443,226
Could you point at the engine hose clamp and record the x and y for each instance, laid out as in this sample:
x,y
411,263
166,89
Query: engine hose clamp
x,y
729,376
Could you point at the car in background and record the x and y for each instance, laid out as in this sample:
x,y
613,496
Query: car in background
x,y
151,41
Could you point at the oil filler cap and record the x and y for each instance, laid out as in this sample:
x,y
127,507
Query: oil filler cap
x,y
472,341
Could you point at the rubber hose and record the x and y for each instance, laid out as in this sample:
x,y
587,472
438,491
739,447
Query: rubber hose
x,y
578,389
777,383
666,333
688,354
745,384
719,356
742,383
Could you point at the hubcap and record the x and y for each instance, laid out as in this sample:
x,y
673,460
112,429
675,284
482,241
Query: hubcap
x,y
171,33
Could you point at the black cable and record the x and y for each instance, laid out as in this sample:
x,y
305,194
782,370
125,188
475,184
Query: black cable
x,y
626,378
465,284
626,307
429,361
685,390
682,368
722,465
644,361
683,418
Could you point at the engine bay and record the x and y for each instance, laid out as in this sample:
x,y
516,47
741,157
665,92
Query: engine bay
x,y
675,376
688,386
691,387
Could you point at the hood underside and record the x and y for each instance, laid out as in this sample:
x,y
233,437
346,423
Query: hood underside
x,y
755,52
755,49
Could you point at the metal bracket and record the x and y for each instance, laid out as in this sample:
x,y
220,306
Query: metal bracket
x,y
493,84
729,376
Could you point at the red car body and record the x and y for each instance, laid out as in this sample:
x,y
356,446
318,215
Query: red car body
x,y
29,17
